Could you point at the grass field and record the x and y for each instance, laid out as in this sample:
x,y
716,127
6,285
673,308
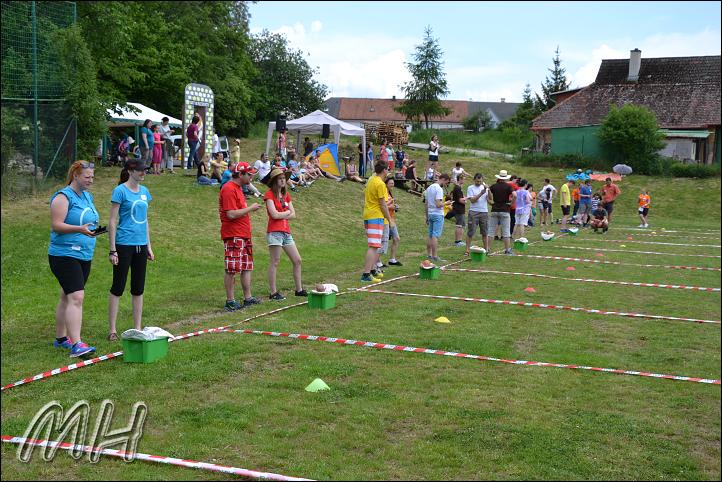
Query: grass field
x,y
238,399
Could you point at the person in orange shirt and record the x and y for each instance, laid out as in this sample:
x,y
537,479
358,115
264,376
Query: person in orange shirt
x,y
610,192
575,198
644,201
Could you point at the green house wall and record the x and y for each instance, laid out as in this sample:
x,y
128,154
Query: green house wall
x,y
577,140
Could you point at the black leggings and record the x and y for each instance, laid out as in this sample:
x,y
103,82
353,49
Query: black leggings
x,y
130,256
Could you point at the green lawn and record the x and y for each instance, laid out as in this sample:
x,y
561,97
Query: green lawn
x,y
238,399
507,142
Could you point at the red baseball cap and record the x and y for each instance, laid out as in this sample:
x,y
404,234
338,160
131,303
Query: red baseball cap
x,y
243,168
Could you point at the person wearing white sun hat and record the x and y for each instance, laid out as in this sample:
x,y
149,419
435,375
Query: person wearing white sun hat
x,y
501,195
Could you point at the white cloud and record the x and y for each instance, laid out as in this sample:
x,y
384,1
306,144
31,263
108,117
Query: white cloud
x,y
353,65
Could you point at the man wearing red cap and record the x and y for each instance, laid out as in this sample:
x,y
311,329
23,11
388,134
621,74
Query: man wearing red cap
x,y
236,235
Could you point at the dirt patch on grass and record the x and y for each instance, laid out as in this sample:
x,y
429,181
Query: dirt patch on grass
x,y
526,345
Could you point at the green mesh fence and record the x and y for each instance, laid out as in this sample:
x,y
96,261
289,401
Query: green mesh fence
x,y
38,134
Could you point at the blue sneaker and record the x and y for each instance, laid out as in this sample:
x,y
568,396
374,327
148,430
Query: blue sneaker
x,y
80,349
251,301
67,344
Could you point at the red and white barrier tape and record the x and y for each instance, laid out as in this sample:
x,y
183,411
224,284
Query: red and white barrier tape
x,y
192,464
628,283
544,305
639,252
653,242
64,369
669,230
676,236
58,371
429,351
582,260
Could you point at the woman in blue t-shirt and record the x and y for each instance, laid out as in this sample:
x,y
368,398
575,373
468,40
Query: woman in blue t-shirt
x,y
129,241
147,140
72,245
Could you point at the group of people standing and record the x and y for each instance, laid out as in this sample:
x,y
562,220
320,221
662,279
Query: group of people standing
x,y
156,146
502,210
75,224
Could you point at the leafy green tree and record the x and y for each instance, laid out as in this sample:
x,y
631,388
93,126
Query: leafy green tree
x,y
78,72
477,122
631,134
428,85
284,81
148,51
525,113
556,83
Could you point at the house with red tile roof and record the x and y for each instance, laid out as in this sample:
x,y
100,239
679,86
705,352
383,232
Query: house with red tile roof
x,y
360,110
683,93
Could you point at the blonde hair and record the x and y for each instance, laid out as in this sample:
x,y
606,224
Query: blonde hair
x,y
76,168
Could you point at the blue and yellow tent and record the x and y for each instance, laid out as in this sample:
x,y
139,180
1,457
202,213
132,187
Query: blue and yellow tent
x,y
328,158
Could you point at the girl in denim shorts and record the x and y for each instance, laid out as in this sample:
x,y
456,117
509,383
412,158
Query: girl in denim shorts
x,y
278,234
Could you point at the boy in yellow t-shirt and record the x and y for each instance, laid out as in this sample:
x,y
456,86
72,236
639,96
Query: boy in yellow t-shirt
x,y
375,216
566,203
644,201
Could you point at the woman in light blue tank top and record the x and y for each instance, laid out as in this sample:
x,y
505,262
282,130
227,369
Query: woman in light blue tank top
x,y
72,245
129,241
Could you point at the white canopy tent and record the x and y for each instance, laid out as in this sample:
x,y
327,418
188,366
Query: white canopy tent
x,y
128,118
313,124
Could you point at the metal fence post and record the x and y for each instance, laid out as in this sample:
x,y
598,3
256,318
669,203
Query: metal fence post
x,y
36,136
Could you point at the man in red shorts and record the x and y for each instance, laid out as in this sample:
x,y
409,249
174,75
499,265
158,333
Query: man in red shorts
x,y
236,235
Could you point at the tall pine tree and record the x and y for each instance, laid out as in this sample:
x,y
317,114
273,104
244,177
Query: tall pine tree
x,y
556,83
428,83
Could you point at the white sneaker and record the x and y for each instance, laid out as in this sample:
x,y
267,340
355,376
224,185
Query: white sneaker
x,y
642,226
646,225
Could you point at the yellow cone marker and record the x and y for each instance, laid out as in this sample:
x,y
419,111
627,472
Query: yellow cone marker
x,y
442,319
317,385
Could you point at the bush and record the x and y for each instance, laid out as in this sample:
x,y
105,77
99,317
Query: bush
x,y
573,161
694,170
632,136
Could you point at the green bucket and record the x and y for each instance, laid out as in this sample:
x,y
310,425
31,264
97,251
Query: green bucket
x,y
322,301
477,256
431,273
520,245
141,351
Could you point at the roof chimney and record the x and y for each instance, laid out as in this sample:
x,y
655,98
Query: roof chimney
x,y
503,99
635,60
393,98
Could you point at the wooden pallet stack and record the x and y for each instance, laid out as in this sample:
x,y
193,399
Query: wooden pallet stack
x,y
371,129
393,132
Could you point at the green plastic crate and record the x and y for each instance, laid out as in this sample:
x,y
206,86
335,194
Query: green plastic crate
x,y
433,273
477,256
321,301
137,351
519,246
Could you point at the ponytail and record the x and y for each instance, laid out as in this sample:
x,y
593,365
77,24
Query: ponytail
x,y
76,168
124,174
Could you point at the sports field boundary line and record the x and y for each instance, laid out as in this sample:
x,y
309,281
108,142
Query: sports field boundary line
x,y
588,280
663,230
618,263
655,242
640,252
430,351
57,371
192,464
545,305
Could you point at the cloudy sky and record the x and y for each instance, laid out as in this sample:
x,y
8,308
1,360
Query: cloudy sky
x,y
491,49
